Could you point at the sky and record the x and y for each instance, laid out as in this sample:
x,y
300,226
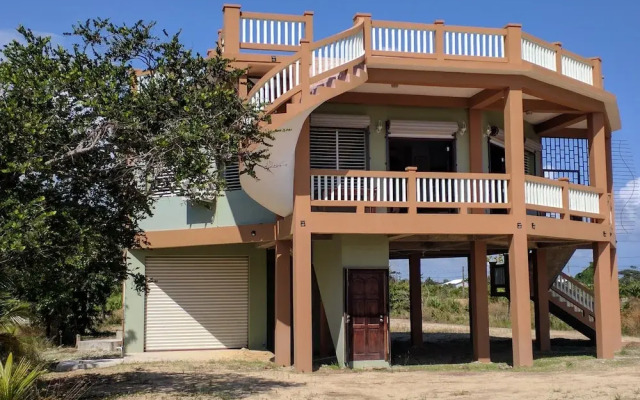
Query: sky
x,y
608,29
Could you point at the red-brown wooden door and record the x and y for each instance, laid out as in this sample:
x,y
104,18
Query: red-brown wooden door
x,y
367,315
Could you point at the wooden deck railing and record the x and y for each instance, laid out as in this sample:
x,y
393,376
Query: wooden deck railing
x,y
451,190
281,32
410,190
559,198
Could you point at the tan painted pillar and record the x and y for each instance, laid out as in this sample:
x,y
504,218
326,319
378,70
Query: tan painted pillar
x,y
479,302
541,284
475,141
518,251
231,29
606,300
302,310
605,331
415,297
282,340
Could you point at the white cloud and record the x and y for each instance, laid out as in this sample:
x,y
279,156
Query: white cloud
x,y
9,35
627,201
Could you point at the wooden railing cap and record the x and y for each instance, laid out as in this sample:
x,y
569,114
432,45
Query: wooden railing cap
x,y
411,169
559,44
224,6
439,22
563,179
305,41
308,13
513,25
361,15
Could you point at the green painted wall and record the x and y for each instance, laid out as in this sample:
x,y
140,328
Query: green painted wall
x,y
377,141
330,258
134,301
233,208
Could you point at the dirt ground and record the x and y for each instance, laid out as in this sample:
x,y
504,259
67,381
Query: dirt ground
x,y
569,372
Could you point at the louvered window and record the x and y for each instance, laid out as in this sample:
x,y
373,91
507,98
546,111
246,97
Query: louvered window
x,y
338,148
232,177
165,185
529,162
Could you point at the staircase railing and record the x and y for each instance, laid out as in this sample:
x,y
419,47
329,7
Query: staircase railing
x,y
575,298
336,51
323,59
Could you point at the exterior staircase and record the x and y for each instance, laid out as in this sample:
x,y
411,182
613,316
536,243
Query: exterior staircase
x,y
573,303
287,94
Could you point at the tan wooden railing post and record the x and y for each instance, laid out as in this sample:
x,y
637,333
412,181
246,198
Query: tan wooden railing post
x,y
596,62
366,25
439,40
514,43
558,47
308,25
412,200
565,197
242,87
305,64
231,29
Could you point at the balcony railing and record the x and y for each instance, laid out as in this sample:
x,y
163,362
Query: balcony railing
x,y
364,191
412,190
281,32
561,199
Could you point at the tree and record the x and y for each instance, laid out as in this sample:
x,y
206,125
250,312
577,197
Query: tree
x,y
630,282
586,275
82,139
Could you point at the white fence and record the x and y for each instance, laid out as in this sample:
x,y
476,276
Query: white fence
x,y
271,32
283,81
403,40
542,194
357,188
538,54
456,190
474,44
574,292
584,201
337,53
577,70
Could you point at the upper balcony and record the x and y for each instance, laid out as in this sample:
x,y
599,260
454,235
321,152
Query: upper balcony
x,y
405,45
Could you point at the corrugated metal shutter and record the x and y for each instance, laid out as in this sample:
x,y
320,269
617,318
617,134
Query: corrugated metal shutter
x,y
422,129
197,302
340,121
529,162
338,148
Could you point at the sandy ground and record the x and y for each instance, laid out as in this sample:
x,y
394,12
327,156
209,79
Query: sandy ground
x,y
249,375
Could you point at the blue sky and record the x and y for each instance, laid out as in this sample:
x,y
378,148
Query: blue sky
x,y
608,29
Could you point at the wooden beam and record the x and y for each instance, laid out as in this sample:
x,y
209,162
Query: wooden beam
x,y
558,123
573,133
485,98
257,233
406,100
544,106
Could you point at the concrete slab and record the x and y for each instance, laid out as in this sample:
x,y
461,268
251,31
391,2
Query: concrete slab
x,y
200,355
72,365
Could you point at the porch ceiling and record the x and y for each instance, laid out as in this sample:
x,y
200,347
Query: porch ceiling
x,y
417,90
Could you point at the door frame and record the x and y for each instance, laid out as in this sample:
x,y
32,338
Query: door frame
x,y
348,342
454,149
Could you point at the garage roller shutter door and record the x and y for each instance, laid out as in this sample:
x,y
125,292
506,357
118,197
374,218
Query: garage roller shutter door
x,y
197,303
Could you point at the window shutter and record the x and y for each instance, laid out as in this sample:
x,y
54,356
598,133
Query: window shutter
x,y
232,177
338,149
529,162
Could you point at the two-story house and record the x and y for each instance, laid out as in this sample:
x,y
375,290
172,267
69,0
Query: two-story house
x,y
393,140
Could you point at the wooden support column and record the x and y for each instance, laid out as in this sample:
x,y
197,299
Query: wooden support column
x,y
541,284
476,148
415,297
606,300
518,252
605,331
302,288
479,302
231,29
282,342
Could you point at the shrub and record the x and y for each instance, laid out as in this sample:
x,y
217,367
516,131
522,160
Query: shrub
x,y
17,382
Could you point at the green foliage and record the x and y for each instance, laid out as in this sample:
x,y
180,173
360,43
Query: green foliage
x,y
17,382
586,276
78,140
630,282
